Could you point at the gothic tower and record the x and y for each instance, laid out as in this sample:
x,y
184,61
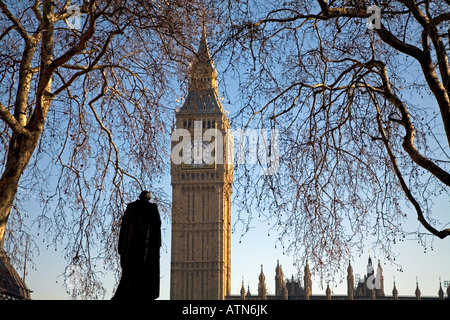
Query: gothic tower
x,y
279,280
350,282
308,282
395,292
262,291
380,281
242,290
417,292
202,175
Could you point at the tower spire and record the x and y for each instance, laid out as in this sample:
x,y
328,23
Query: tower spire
x,y
440,292
308,282
203,75
380,280
418,293
279,280
328,291
262,291
242,290
395,291
350,281
203,95
203,50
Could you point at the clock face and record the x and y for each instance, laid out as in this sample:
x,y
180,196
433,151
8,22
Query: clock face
x,y
198,154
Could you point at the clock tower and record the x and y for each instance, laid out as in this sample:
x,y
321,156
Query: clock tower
x,y
202,176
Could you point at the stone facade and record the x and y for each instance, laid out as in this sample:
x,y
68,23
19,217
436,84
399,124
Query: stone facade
x,y
292,289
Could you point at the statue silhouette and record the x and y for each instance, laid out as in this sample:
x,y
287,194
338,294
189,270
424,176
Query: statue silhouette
x,y
139,245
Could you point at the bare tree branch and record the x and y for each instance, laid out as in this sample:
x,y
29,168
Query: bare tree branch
x,y
6,116
420,216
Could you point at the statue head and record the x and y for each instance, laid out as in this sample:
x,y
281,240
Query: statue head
x,y
145,195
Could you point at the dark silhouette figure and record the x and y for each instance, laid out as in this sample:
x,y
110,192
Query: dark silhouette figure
x,y
139,245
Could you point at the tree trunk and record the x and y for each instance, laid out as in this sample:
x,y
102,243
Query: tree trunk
x,y
23,142
19,154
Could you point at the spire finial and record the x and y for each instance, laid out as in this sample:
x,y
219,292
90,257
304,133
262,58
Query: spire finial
x,y
203,50
204,27
203,17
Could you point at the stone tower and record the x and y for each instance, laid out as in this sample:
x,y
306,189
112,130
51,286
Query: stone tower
x,y
380,281
279,280
417,292
350,282
395,292
308,282
262,291
202,175
242,292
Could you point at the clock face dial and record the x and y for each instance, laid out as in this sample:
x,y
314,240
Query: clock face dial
x,y
198,154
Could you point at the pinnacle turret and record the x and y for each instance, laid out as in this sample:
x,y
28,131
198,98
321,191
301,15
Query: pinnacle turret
x,y
308,282
279,280
417,292
242,290
350,282
262,291
440,292
395,292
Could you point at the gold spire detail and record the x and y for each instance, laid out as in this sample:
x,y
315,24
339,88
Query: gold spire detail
x,y
203,75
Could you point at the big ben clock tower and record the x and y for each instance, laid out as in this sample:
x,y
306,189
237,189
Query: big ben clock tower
x,y
202,175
